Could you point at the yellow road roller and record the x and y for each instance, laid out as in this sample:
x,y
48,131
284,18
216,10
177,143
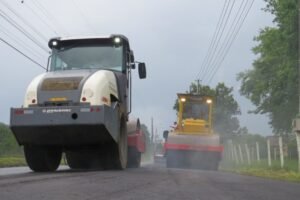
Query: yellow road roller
x,y
192,143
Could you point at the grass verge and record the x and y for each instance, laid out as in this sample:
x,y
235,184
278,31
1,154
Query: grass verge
x,y
12,161
261,169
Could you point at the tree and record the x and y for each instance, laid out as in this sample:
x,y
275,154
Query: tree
x,y
272,83
243,131
144,128
226,108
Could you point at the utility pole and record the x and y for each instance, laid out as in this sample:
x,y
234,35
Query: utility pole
x,y
154,142
152,130
198,85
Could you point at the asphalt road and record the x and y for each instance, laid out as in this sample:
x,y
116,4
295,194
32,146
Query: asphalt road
x,y
148,182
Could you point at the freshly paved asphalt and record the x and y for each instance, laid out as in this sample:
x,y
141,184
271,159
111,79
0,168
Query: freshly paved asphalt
x,y
151,181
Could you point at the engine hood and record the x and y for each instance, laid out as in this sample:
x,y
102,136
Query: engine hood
x,y
70,73
62,87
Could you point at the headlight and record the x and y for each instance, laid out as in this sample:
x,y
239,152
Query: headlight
x,y
53,43
117,40
208,101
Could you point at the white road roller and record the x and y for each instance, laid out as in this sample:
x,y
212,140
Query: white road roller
x,y
80,106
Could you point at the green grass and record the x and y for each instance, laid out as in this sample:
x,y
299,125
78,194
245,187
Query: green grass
x,y
13,161
17,161
261,169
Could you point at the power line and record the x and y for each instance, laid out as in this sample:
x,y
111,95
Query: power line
x,y
48,15
24,21
218,41
213,41
20,52
21,29
227,50
12,37
229,43
229,36
216,32
43,21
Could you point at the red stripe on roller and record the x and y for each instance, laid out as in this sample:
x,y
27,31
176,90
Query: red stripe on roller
x,y
194,147
137,140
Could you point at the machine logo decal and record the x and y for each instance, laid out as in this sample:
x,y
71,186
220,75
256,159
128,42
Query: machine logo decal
x,y
56,110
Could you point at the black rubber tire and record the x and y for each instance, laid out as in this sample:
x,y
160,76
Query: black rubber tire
x,y
42,158
133,158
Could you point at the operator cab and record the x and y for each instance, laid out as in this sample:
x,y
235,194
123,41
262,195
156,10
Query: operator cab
x,y
194,114
93,53
195,110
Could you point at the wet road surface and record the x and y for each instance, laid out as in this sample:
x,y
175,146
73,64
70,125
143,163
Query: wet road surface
x,y
151,181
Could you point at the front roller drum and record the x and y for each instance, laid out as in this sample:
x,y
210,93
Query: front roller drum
x,y
134,158
173,159
193,159
116,153
106,156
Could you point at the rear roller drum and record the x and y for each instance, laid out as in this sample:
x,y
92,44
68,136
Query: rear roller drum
x,y
174,159
134,158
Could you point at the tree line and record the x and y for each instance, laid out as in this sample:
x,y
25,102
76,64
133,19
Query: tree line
x,y
271,83
8,143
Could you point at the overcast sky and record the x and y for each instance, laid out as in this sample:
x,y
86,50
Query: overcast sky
x,y
171,36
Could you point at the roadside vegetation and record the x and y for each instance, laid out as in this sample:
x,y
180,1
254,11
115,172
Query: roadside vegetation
x,y
272,86
11,153
261,169
272,82
12,161
255,162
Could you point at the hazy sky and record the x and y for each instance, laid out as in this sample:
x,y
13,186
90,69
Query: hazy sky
x,y
171,36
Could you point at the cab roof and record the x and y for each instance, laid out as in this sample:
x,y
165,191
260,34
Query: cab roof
x,y
89,38
193,95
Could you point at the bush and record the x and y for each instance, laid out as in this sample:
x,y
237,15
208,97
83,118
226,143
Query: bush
x,y
8,143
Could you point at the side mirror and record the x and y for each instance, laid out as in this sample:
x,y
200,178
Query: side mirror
x,y
142,70
166,134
